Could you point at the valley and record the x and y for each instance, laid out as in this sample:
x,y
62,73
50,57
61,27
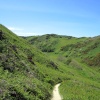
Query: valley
x,y
30,67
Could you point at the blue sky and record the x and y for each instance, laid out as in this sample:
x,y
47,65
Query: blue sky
x,y
64,17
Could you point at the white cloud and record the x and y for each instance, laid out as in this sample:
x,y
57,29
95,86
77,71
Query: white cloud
x,y
15,29
27,34
22,32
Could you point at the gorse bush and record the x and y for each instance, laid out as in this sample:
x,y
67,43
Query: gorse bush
x,y
95,61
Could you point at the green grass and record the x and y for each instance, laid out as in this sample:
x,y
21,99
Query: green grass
x,y
80,90
81,84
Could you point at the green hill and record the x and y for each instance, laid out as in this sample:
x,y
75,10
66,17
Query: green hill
x,y
25,72
30,67
81,56
85,49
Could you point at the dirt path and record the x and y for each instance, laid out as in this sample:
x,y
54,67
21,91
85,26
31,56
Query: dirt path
x,y
56,95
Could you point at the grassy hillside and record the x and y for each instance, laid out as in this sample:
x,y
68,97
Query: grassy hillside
x,y
81,57
85,49
29,71
25,72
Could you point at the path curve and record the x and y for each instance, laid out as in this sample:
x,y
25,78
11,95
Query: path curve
x,y
56,94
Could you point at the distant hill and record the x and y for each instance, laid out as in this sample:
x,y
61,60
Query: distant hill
x,y
81,56
86,49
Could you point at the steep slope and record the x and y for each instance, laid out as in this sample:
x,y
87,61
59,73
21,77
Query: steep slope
x,y
25,72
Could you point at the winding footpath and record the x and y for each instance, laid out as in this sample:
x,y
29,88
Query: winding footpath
x,y
56,94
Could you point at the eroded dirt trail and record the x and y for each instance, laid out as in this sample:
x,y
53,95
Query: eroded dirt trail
x,y
56,94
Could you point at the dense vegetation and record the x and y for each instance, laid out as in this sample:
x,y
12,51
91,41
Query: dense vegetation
x,y
81,56
31,66
25,72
